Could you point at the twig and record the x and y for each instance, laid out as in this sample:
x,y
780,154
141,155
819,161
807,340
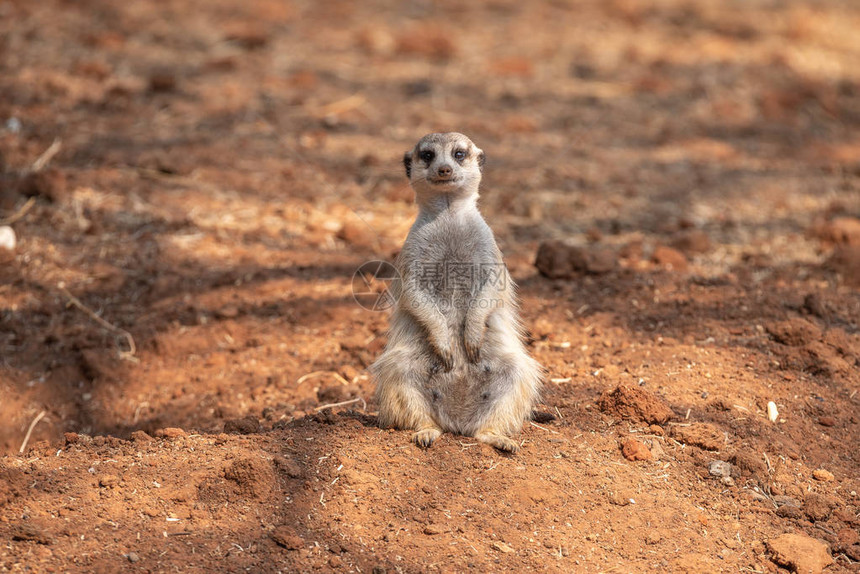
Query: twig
x,y
534,424
46,156
20,213
30,431
336,375
132,349
340,404
767,461
825,529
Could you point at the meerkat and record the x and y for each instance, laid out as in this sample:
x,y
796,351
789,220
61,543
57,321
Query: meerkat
x,y
455,360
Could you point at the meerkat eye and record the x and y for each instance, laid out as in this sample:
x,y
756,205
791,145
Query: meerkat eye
x,y
427,155
460,155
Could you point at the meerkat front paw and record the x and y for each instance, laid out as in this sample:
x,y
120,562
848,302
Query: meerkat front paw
x,y
501,442
472,343
473,351
426,437
445,357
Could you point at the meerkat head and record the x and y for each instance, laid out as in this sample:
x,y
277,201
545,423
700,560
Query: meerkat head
x,y
446,163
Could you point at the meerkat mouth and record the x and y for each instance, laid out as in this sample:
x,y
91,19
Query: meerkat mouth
x,y
439,181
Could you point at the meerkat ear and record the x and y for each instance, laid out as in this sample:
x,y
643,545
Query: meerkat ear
x,y
481,160
407,162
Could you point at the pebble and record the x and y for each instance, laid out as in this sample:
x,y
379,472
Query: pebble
x,y
800,553
772,412
669,258
433,529
170,432
633,449
286,537
720,468
132,557
108,481
8,241
822,475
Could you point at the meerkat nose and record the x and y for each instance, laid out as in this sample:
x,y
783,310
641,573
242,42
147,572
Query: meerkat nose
x,y
444,171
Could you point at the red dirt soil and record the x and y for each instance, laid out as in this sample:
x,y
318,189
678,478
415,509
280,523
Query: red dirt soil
x,y
222,169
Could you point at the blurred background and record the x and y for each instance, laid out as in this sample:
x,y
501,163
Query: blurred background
x,y
187,188
205,177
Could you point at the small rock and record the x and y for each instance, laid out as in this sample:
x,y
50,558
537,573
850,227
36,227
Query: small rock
x,y
502,547
245,425
657,452
782,500
701,435
335,561
286,537
49,183
669,258
720,468
564,260
71,437
822,475
140,436
27,531
801,553
634,450
772,412
132,557
170,432
434,529
621,498
788,511
8,240
108,481
817,507
847,537
827,421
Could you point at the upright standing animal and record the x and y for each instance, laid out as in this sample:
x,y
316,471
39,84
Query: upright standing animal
x,y
455,359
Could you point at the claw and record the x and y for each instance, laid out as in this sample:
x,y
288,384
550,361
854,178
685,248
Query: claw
x,y
426,437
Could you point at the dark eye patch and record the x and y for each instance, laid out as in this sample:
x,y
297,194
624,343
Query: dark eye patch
x,y
427,155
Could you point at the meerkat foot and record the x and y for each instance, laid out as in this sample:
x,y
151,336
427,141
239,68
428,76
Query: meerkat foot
x,y
501,442
426,437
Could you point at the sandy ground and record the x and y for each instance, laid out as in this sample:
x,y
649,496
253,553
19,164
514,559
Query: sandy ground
x,y
179,304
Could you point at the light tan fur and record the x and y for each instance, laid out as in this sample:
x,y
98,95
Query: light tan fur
x,y
455,359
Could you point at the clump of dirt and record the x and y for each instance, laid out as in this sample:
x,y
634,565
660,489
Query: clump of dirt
x,y
634,403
